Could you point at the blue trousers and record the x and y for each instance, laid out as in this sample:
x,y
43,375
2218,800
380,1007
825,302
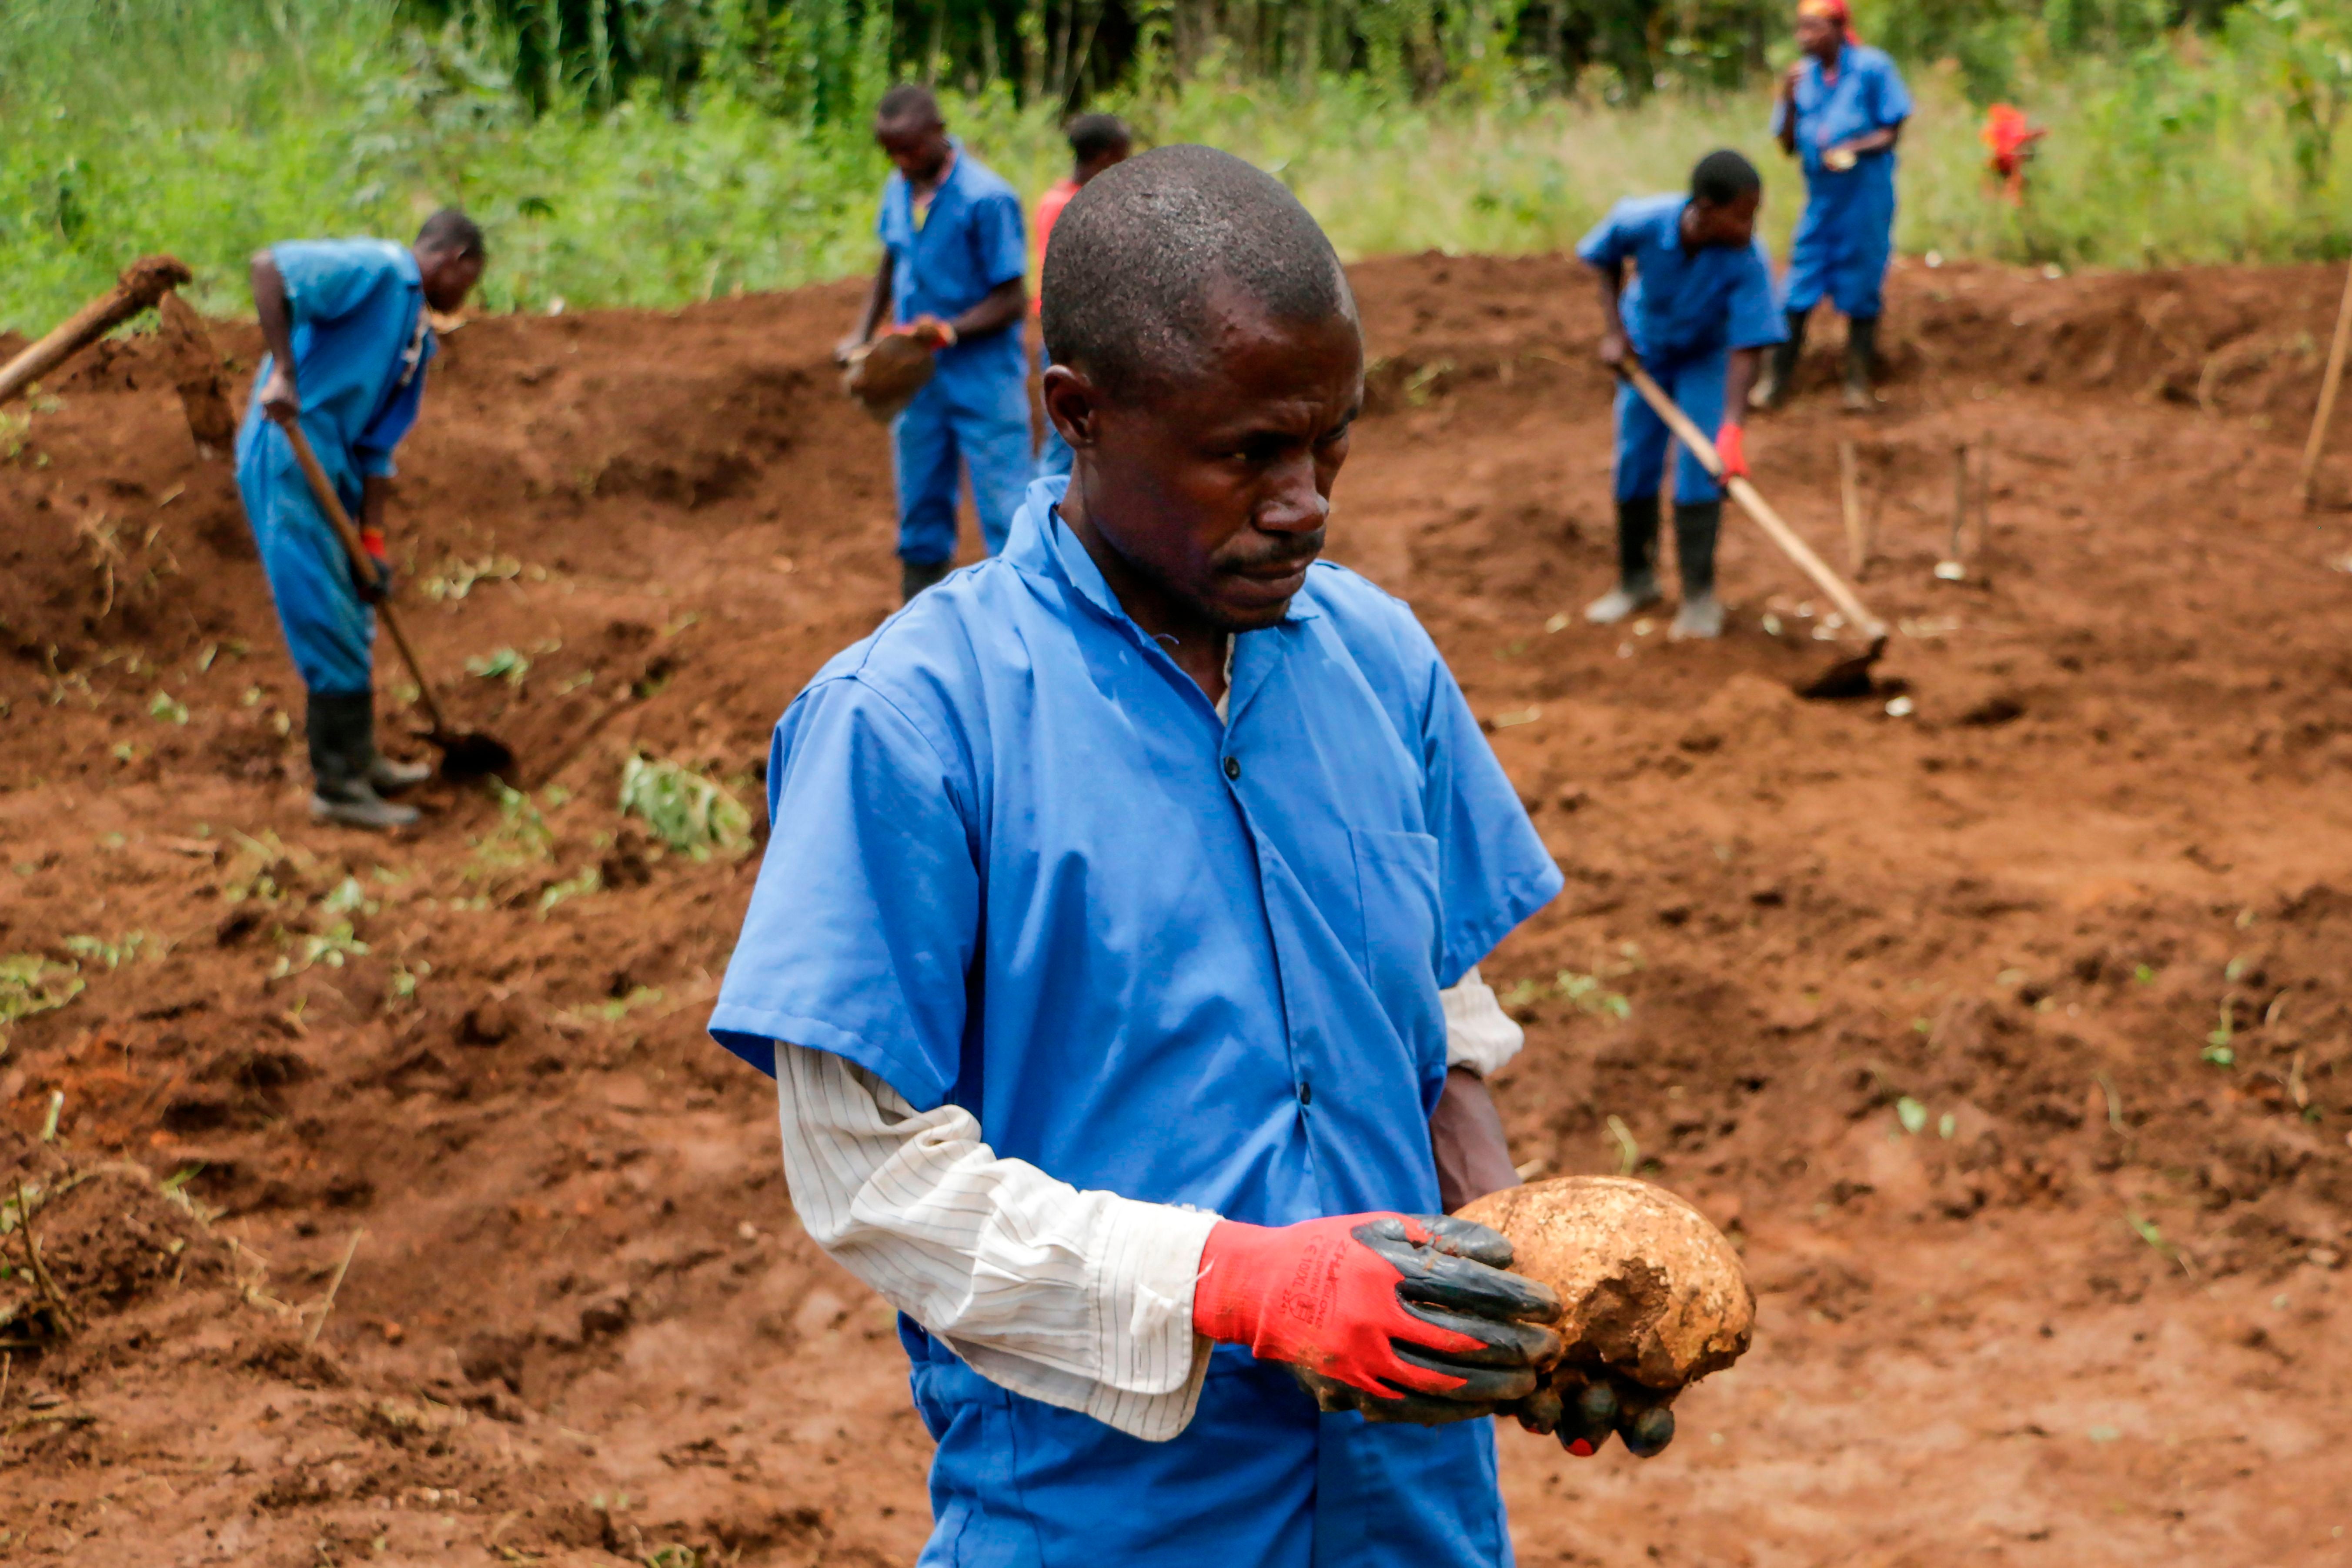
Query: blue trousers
x,y
1643,436
1259,1479
1843,241
329,632
957,424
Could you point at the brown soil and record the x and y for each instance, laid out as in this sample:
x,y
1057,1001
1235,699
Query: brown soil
x,y
2087,1311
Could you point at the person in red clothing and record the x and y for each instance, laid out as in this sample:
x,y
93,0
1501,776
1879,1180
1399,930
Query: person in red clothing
x,y
1097,141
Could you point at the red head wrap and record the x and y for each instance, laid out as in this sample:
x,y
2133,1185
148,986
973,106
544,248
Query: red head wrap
x,y
1836,11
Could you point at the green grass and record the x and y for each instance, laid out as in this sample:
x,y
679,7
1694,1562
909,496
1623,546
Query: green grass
x,y
217,127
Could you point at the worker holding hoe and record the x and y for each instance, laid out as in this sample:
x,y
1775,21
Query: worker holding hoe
x,y
1116,950
1697,313
953,277
349,339
1839,113
1096,142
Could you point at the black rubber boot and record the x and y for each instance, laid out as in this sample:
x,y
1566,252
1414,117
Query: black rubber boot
x,y
341,730
1861,363
1637,564
914,575
1771,390
1696,523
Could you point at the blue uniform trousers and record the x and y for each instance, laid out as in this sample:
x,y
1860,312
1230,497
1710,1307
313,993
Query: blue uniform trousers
x,y
1844,240
330,632
1641,436
978,422
1260,1480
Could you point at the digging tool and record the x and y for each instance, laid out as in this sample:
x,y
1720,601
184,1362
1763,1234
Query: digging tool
x,y
1849,676
467,755
142,283
2328,382
1857,542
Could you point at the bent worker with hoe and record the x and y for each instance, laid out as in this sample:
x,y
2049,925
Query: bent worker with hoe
x,y
1696,314
1115,952
954,277
345,324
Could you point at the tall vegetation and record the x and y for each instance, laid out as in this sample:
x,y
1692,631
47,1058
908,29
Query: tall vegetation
x,y
653,152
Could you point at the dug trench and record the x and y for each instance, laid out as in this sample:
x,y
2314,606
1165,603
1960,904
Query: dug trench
x,y
2005,1036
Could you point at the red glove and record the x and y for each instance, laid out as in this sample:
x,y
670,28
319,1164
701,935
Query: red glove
x,y
1416,1313
371,544
1731,445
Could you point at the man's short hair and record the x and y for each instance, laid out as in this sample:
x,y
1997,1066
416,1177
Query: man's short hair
x,y
1723,177
450,229
909,103
1138,252
1092,135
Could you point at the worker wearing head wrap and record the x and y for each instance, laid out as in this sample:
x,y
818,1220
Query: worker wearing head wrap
x,y
1695,315
1840,112
349,340
1123,891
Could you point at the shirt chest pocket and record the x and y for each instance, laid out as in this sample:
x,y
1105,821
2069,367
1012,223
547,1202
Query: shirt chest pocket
x,y
1396,892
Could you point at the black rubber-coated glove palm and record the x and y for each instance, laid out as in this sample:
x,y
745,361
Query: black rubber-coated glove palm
x,y
1583,1410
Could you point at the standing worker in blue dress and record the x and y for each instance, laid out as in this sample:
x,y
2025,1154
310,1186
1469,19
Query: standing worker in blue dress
x,y
349,339
1698,310
1839,113
1115,956
953,275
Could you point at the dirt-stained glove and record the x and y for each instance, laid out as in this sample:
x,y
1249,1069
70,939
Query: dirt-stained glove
x,y
371,544
1404,1318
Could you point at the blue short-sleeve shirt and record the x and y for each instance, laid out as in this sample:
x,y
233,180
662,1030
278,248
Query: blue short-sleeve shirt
x,y
969,241
361,342
1019,863
1684,304
1866,95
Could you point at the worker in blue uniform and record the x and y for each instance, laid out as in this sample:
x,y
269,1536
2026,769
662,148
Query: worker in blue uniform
x,y
1099,945
953,274
349,340
1697,313
1839,113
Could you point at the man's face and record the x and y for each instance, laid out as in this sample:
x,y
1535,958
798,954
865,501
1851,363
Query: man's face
x,y
1108,158
449,275
1818,36
919,147
1214,490
1733,224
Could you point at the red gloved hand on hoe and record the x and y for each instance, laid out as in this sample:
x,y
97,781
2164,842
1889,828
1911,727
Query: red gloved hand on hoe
x,y
1731,445
1416,1315
372,542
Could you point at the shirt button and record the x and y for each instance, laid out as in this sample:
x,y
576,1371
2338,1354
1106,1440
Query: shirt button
x,y
1232,766
1305,1093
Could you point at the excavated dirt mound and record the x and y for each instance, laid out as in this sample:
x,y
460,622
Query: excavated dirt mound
x,y
2007,1035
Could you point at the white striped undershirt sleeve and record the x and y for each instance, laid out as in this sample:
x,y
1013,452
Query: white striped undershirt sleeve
x,y
1082,1300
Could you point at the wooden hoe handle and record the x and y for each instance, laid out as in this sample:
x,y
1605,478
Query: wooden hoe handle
x,y
1696,443
323,490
